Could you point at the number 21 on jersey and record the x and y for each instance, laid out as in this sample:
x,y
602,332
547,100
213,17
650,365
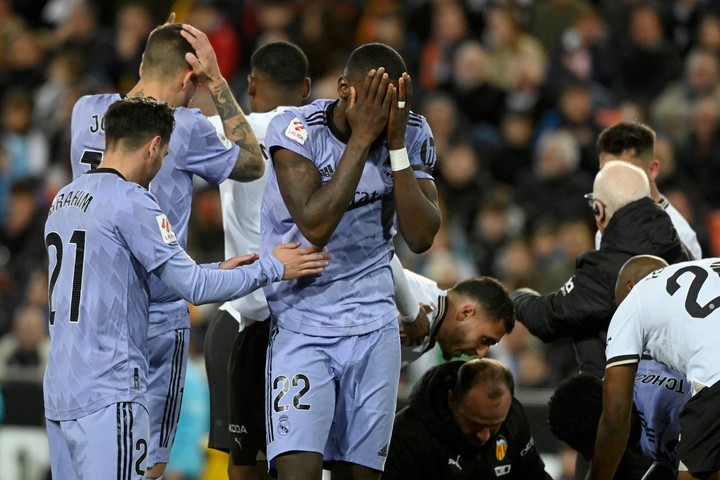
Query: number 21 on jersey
x,y
78,239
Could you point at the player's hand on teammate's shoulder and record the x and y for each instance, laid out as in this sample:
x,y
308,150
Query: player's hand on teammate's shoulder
x,y
399,113
238,261
413,333
369,106
303,261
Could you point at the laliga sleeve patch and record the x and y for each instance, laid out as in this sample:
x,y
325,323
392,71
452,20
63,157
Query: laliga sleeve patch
x,y
166,231
296,131
224,140
216,122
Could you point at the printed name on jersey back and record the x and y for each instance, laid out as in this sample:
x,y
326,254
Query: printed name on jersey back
x,y
296,131
166,231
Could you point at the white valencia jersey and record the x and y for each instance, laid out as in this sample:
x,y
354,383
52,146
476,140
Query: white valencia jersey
x,y
687,235
240,202
425,292
673,314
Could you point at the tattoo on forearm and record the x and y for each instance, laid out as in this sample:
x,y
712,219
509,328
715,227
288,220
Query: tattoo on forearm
x,y
237,127
225,102
241,133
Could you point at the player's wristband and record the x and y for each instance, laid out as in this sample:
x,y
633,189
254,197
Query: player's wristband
x,y
399,159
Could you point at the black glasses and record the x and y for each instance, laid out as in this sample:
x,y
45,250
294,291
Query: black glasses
x,y
590,197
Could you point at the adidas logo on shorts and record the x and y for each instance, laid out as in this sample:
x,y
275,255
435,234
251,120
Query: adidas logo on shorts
x,y
383,452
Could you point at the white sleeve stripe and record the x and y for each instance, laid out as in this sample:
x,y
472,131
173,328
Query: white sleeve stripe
x,y
622,360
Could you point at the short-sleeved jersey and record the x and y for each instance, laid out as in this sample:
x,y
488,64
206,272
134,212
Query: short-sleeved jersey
x,y
241,203
103,235
672,315
426,292
196,148
659,395
355,294
685,231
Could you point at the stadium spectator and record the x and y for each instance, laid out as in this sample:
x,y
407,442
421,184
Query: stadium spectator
x,y
26,348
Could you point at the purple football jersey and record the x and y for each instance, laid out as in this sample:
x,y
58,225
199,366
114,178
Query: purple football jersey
x,y
354,294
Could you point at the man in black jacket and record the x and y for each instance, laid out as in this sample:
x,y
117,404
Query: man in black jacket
x,y
631,223
464,423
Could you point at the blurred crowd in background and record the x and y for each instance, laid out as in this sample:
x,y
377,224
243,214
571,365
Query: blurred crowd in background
x,y
516,93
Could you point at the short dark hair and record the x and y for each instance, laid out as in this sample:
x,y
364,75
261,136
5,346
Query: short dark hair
x,y
165,51
282,62
493,297
136,120
628,136
574,412
374,55
483,371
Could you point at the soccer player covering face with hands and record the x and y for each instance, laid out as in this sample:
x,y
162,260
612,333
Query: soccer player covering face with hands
x,y
105,235
345,175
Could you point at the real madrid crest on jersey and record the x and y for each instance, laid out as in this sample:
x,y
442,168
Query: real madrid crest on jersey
x,y
501,446
387,175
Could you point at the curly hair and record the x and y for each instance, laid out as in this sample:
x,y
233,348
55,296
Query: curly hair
x,y
574,412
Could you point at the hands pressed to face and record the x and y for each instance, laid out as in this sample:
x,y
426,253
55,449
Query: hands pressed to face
x,y
380,105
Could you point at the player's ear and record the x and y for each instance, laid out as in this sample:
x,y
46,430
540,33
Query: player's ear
x,y
343,87
306,88
153,145
189,80
466,311
251,85
654,170
140,70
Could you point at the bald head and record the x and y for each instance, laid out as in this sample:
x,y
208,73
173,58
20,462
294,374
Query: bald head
x,y
490,373
620,183
634,270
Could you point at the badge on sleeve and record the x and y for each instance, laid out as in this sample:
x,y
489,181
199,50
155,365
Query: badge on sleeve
x,y
296,131
166,231
224,140
216,122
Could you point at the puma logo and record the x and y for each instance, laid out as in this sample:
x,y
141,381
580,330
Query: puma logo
x,y
455,462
